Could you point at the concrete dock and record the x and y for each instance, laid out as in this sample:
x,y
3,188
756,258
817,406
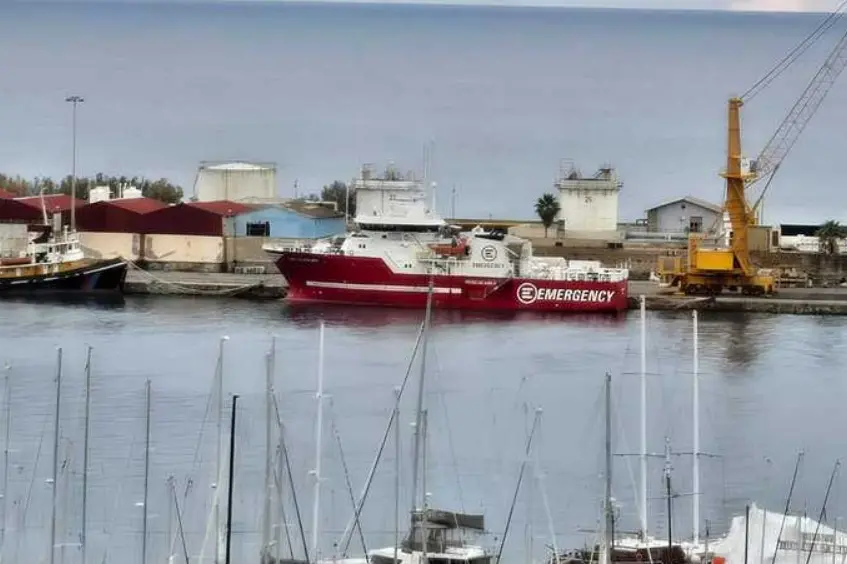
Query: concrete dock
x,y
797,301
212,284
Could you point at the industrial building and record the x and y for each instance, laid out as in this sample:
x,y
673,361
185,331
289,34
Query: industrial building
x,y
292,220
588,204
235,182
193,218
16,211
54,203
124,215
684,215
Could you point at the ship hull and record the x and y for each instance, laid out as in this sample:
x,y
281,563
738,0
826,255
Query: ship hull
x,y
94,277
330,278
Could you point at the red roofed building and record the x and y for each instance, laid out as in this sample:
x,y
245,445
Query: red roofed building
x,y
194,218
53,202
16,211
115,216
6,195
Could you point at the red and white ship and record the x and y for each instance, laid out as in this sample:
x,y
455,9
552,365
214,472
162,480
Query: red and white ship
x,y
400,245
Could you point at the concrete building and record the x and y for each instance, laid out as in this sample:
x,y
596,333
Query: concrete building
x,y
235,182
684,215
589,204
292,220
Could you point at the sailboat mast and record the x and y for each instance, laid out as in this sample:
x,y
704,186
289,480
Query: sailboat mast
x,y
266,520
219,377
419,410
396,472
696,431
643,457
55,456
146,475
669,499
318,438
231,480
7,398
425,515
610,518
85,455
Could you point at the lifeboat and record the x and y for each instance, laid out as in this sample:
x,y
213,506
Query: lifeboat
x,y
455,248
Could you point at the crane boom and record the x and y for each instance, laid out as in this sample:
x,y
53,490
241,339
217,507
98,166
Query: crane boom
x,y
771,157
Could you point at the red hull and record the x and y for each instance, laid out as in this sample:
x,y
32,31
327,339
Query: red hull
x,y
330,278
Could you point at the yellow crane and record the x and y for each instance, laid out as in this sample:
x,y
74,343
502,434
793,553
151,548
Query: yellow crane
x,y
711,269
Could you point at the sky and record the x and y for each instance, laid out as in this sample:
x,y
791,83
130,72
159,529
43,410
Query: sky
x,y
735,5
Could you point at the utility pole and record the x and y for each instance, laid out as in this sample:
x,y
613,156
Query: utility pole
x,y
75,100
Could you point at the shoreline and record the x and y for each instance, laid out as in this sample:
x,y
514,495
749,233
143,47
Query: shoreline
x,y
792,301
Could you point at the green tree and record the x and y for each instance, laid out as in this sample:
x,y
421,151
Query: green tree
x,y
828,236
337,192
547,207
15,185
161,190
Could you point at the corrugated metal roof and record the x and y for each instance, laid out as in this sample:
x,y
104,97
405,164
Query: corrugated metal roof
x,y
313,210
137,205
691,200
53,202
15,210
223,208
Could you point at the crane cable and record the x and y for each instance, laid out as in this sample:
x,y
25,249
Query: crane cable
x,y
795,53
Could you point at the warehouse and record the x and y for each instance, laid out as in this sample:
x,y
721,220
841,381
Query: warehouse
x,y
292,220
16,211
54,203
116,216
683,215
193,218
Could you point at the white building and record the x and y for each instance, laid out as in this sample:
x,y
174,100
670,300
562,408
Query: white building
x,y
687,215
589,204
235,181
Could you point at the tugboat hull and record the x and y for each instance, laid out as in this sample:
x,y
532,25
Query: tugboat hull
x,y
91,277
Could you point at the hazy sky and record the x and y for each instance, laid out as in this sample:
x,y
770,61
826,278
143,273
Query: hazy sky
x,y
740,5
754,5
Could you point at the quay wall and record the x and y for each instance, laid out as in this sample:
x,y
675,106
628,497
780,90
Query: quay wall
x,y
111,245
184,252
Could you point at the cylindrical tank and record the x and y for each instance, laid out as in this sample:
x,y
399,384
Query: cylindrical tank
x,y
98,194
235,181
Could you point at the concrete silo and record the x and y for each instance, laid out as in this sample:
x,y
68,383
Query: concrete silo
x,y
235,181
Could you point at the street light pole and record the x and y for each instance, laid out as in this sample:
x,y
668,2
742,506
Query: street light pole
x,y
74,100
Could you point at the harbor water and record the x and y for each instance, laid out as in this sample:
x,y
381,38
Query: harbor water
x,y
770,386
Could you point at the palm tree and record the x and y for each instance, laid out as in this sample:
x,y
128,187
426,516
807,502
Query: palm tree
x,y
547,207
828,236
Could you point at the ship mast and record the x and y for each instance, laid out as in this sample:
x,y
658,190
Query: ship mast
x,y
419,410
609,533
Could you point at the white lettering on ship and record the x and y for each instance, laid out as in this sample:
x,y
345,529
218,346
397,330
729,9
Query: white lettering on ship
x,y
528,293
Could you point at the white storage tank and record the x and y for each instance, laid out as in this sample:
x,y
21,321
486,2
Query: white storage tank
x,y
99,194
235,181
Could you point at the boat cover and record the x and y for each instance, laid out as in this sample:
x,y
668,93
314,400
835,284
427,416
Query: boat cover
x,y
452,520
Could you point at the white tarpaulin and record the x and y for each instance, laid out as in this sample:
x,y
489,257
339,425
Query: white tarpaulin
x,y
797,541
